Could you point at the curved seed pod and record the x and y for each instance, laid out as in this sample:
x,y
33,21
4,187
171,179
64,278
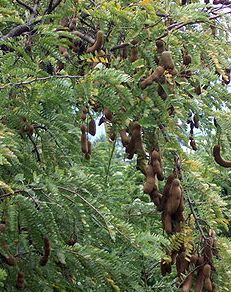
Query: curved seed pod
x,y
149,185
136,140
92,127
208,250
181,263
157,169
98,42
218,158
84,144
175,196
2,227
83,129
165,268
160,45
108,114
83,116
187,283
155,76
124,52
156,197
187,59
167,222
166,60
20,282
10,260
124,138
208,285
193,259
199,282
161,92
193,144
134,51
63,51
207,270
47,250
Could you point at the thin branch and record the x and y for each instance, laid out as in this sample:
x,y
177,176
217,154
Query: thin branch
x,y
84,36
17,31
35,148
52,8
40,79
109,162
25,6
121,46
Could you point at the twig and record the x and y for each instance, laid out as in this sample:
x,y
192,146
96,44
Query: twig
x,y
52,8
84,36
35,148
121,46
40,79
25,6
109,162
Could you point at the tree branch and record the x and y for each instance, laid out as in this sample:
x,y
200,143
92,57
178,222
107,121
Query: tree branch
x,y
52,6
40,79
17,31
25,6
84,36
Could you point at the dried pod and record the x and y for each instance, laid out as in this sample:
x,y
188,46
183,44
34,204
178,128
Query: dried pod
x,y
161,92
167,222
160,45
85,110
10,260
206,270
2,227
181,263
149,185
83,129
174,198
47,251
108,114
20,282
124,52
193,259
98,42
84,143
166,60
134,51
165,267
208,250
199,282
187,59
157,169
208,285
136,140
63,51
227,77
92,127
218,158
83,116
155,76
156,197
124,138
187,284
73,23
193,144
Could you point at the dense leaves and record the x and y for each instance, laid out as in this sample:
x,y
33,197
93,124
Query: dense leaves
x,y
73,221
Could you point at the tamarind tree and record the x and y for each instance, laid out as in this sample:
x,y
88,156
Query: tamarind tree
x,y
145,207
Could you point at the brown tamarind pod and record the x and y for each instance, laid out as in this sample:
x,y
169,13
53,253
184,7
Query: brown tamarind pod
x,y
20,282
47,251
187,283
161,92
199,282
83,116
167,222
174,198
193,259
85,110
166,60
156,197
124,52
134,51
160,45
165,267
83,128
218,158
196,121
73,23
136,141
157,169
149,185
207,270
181,263
193,144
92,127
108,114
155,76
124,138
226,79
187,59
10,260
2,227
84,143
63,51
98,42
208,285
